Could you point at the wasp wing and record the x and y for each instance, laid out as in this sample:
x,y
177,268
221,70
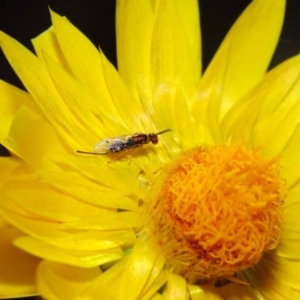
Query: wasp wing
x,y
115,144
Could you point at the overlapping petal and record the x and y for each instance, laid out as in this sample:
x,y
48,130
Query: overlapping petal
x,y
161,53
17,276
243,57
60,281
11,101
79,212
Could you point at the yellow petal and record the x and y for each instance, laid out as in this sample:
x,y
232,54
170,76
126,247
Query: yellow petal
x,y
17,276
35,77
240,62
111,279
271,114
8,167
59,236
290,236
80,102
155,283
289,245
140,271
134,43
85,106
190,19
109,221
59,281
133,115
85,259
97,169
55,207
290,159
89,191
287,270
171,60
273,279
161,29
47,42
31,137
38,200
11,100
19,219
85,63
176,288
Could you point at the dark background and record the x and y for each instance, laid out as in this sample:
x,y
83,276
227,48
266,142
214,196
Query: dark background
x,y
25,19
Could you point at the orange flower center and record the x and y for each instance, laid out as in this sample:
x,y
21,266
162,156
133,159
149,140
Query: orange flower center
x,y
216,210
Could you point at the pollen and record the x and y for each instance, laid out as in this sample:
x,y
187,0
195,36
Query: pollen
x,y
216,210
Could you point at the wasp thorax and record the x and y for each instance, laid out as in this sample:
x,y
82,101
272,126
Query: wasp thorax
x,y
215,211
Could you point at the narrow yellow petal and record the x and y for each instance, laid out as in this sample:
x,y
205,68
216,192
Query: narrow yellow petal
x,y
196,293
288,249
26,223
80,103
133,115
84,61
290,155
109,221
278,129
85,259
292,198
155,286
171,110
17,276
271,283
111,279
60,229
35,77
59,236
59,281
38,82
92,240
207,292
161,29
134,44
287,270
11,100
47,42
138,271
262,101
290,236
271,114
96,168
25,145
54,207
156,280
189,16
240,62
176,288
46,95
8,168
89,191
171,63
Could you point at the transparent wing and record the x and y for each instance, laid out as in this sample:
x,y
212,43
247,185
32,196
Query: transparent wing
x,y
110,145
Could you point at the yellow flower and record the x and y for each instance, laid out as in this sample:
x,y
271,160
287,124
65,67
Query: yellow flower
x,y
209,212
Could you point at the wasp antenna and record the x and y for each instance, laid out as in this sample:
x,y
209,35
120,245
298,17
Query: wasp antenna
x,y
94,153
164,131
